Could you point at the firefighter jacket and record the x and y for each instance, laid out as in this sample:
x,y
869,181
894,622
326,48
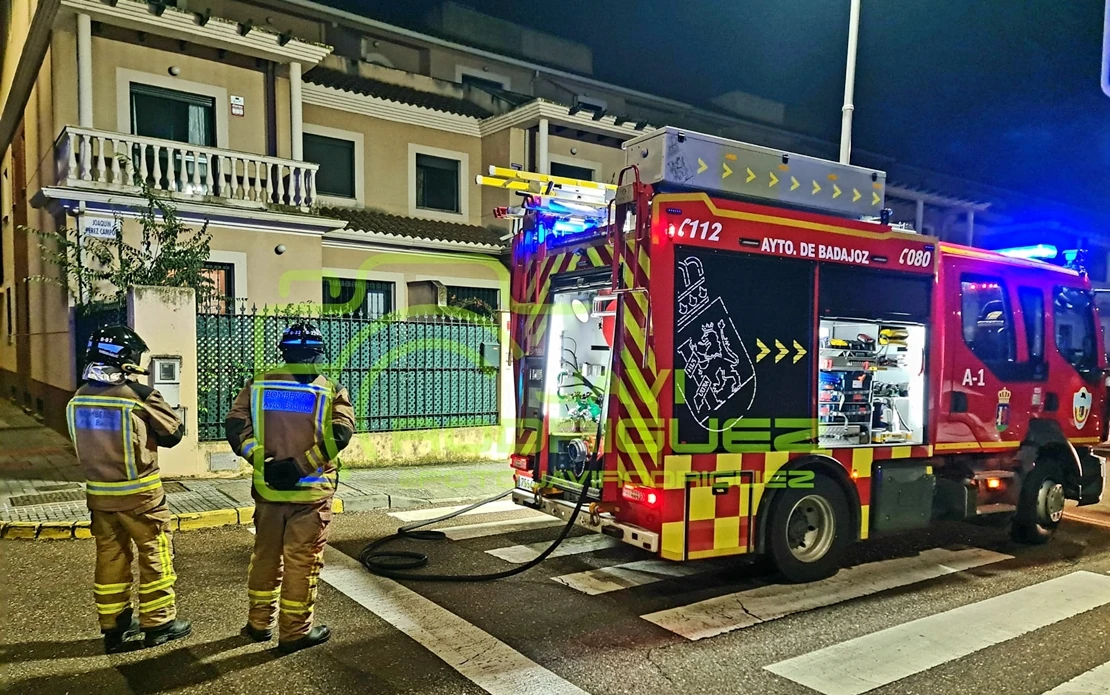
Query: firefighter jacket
x,y
304,417
116,429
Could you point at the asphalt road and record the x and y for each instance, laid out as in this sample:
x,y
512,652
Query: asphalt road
x,y
987,616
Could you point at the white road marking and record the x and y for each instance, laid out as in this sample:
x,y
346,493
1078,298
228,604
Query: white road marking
x,y
493,528
251,529
485,660
865,663
746,608
1093,682
491,508
520,554
630,574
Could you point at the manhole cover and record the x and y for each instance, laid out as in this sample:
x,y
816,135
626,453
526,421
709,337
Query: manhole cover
x,y
47,498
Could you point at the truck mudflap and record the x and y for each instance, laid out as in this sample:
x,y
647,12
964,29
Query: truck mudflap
x,y
1092,477
598,523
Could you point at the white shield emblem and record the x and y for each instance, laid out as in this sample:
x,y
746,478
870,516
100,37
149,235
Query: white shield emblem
x,y
1081,407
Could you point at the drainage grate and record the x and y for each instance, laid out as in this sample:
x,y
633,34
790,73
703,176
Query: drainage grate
x,y
75,495
57,487
47,498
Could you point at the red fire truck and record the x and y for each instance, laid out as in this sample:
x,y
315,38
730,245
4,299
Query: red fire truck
x,y
731,352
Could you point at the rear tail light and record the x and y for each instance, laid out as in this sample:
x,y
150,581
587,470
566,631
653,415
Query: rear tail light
x,y
642,495
521,462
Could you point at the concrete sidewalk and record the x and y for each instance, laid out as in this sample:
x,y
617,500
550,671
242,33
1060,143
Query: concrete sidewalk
x,y
42,491
52,509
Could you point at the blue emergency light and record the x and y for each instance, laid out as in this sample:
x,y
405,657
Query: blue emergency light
x,y
1039,252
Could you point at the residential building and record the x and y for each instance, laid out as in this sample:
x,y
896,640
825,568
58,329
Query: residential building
x,y
332,156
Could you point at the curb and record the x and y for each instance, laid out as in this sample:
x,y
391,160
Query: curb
x,y
65,530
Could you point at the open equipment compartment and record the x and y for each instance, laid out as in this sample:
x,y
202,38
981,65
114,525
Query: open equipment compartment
x,y
871,385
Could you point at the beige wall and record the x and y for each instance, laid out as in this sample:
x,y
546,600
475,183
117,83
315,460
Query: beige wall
x,y
245,134
166,317
501,149
588,154
267,271
386,158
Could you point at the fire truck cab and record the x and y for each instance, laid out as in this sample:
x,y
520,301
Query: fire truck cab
x,y
730,352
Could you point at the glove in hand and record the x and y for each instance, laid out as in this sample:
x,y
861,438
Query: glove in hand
x,y
282,474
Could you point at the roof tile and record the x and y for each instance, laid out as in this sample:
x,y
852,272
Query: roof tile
x,y
365,220
325,77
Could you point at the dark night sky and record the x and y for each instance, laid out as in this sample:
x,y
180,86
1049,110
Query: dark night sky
x,y
1005,92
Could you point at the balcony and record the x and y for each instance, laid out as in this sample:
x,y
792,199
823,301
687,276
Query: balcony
x,y
110,161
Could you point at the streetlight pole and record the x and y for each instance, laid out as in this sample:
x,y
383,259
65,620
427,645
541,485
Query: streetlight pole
x,y
849,86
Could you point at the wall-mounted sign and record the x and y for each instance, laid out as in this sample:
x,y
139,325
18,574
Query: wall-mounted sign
x,y
98,227
238,106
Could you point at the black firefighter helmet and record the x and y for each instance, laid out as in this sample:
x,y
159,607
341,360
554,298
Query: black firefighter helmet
x,y
302,342
118,346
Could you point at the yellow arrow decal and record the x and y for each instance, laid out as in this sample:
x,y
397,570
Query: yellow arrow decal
x,y
816,188
855,194
702,166
751,175
728,172
801,352
874,198
836,191
783,351
794,183
763,350
774,180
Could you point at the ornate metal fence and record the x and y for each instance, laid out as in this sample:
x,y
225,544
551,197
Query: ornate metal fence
x,y
425,373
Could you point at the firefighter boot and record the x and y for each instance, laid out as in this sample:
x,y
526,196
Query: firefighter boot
x,y
317,635
123,636
258,635
175,629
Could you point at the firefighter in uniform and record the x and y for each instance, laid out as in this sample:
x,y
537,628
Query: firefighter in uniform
x,y
290,423
117,426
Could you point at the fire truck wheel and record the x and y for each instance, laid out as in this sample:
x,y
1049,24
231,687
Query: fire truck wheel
x,y
809,531
1041,505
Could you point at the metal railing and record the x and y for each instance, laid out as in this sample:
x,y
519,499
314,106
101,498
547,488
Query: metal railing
x,y
426,373
117,161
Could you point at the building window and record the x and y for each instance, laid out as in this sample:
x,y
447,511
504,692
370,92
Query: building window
x,y
484,301
569,171
1075,327
357,298
987,321
168,114
222,276
336,158
437,183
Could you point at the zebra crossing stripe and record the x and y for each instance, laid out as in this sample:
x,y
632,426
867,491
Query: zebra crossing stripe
x,y
632,574
746,608
491,508
872,661
520,554
1093,682
489,663
493,528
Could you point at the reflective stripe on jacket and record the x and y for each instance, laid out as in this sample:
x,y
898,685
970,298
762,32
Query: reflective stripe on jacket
x,y
116,430
276,417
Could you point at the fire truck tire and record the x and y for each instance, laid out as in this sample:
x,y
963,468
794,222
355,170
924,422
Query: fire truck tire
x,y
1041,504
809,531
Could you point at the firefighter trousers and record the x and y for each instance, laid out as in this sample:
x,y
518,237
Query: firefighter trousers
x,y
150,532
285,566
